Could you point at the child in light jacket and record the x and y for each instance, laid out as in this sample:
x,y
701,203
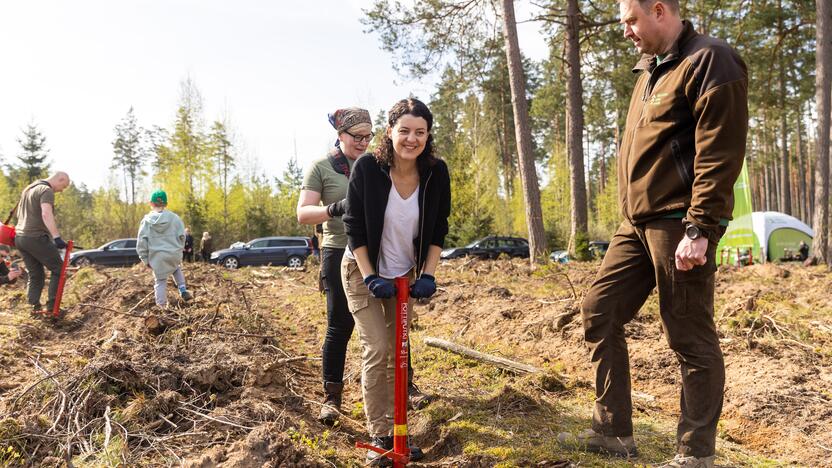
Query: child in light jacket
x,y
159,244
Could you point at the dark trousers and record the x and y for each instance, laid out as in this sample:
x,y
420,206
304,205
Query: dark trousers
x,y
640,258
37,253
339,321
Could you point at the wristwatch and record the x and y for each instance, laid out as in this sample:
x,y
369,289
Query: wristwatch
x,y
692,232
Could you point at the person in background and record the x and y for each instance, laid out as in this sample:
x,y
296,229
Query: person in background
x,y
316,250
38,239
803,251
206,246
159,243
188,250
398,203
8,271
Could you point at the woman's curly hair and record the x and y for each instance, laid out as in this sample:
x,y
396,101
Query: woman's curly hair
x,y
416,108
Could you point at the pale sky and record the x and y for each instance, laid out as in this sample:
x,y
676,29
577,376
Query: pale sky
x,y
275,68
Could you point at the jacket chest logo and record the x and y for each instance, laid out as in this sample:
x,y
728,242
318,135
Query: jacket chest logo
x,y
657,99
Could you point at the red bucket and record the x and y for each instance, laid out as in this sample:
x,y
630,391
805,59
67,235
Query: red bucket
x,y
7,234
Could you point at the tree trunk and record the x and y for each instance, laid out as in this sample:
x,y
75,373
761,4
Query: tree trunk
x,y
602,170
801,170
578,237
785,173
528,173
823,83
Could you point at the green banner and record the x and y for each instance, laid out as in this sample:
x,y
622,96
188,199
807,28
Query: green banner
x,y
739,245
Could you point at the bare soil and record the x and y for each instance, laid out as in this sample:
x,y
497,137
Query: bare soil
x,y
232,379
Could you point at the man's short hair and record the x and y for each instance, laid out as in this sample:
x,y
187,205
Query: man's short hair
x,y
5,248
672,4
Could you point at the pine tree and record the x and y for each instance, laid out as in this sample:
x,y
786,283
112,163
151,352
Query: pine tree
x,y
33,157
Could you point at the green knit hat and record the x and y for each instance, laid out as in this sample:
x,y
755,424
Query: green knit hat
x,y
159,197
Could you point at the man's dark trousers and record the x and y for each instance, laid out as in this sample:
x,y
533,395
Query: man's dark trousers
x,y
39,252
639,258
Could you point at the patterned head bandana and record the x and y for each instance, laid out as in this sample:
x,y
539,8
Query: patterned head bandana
x,y
344,119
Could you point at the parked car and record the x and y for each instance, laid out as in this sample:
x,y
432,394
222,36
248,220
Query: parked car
x,y
121,252
596,248
559,256
288,251
490,247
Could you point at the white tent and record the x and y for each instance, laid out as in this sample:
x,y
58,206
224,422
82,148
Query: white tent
x,y
766,222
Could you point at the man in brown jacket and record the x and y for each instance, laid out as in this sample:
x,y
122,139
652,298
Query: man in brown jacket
x,y
680,155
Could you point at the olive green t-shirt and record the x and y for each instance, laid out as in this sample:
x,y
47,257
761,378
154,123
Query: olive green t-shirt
x,y
321,177
29,214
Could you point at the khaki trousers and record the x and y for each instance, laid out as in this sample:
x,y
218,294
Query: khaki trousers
x,y
640,258
375,320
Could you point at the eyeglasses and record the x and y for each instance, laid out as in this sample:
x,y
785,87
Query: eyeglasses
x,y
361,138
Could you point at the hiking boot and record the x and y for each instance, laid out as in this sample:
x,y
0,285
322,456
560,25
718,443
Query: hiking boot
x,y
37,310
186,295
682,461
377,459
59,316
331,409
48,312
386,443
591,441
416,398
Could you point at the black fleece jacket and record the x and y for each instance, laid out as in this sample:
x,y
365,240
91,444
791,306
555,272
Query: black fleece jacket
x,y
367,194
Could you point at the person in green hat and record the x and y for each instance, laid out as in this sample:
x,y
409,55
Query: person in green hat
x,y
159,243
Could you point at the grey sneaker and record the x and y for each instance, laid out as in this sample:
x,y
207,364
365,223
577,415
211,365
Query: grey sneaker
x,y
682,461
591,441
186,295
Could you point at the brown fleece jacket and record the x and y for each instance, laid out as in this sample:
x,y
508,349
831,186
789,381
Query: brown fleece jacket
x,y
684,143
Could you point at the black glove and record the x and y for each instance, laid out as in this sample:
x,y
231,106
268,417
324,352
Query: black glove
x,y
379,287
337,209
59,243
425,286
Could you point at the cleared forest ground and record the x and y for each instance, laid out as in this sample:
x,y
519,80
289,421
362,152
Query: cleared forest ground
x,y
232,379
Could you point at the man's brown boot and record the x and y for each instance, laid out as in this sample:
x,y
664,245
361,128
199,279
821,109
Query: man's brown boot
x,y
592,441
331,409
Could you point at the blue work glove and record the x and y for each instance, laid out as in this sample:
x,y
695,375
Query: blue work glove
x,y
379,287
59,243
425,286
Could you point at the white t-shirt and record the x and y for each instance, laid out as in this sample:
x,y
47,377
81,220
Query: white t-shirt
x,y
401,226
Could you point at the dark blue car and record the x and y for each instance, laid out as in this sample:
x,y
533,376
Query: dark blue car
x,y
121,252
288,251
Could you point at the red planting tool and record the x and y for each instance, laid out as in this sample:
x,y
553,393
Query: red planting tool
x,y
401,453
56,309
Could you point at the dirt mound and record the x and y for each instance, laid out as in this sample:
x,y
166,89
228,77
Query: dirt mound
x,y
215,371
265,446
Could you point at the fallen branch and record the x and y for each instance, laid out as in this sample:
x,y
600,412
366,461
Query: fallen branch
x,y
35,385
250,335
197,413
140,302
502,363
96,306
